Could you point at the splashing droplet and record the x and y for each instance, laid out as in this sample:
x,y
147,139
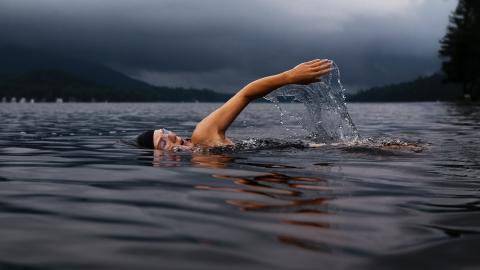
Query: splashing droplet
x,y
324,116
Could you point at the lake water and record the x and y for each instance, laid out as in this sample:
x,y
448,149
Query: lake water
x,y
75,195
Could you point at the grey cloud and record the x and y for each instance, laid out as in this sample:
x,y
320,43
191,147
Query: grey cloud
x,y
235,41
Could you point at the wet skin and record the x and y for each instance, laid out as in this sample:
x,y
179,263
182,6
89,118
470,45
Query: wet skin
x,y
210,132
167,140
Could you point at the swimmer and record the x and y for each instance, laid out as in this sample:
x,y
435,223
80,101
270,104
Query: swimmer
x,y
210,132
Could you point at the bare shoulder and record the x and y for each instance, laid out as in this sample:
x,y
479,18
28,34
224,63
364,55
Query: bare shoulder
x,y
204,131
211,141
209,135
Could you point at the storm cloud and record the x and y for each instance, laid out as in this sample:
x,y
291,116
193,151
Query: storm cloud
x,y
222,45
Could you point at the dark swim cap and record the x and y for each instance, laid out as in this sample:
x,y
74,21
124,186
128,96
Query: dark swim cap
x,y
145,139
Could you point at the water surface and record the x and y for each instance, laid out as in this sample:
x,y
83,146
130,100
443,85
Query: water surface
x,y
74,195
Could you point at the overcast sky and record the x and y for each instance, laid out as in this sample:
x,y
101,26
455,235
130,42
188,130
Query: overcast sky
x,y
222,44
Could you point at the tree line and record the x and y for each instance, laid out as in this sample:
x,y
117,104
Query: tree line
x,y
460,48
50,85
460,56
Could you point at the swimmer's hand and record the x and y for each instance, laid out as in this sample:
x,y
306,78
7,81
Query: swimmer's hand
x,y
308,72
211,130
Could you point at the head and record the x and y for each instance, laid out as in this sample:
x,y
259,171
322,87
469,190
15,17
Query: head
x,y
162,139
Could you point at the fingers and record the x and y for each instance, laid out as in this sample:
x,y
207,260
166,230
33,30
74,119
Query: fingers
x,y
322,72
317,62
321,63
313,61
320,66
311,71
321,69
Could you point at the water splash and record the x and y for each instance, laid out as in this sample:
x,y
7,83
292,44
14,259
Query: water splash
x,y
324,117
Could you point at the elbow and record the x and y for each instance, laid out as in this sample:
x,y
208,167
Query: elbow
x,y
248,96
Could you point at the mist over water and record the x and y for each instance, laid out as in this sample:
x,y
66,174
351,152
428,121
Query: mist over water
x,y
324,117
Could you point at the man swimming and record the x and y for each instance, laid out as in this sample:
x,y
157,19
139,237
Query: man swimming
x,y
210,132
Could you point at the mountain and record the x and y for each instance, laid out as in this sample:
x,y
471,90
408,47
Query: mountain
x,y
49,85
431,88
32,74
20,60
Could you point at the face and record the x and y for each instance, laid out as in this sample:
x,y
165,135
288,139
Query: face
x,y
167,140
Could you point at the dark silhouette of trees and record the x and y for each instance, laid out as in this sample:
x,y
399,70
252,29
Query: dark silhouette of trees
x,y
460,48
428,88
48,85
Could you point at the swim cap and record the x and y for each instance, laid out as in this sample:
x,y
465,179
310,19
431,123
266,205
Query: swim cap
x,y
145,139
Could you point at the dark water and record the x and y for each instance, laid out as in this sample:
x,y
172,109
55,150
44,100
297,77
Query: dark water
x,y
73,195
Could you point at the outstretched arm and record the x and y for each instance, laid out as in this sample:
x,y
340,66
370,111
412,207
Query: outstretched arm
x,y
211,130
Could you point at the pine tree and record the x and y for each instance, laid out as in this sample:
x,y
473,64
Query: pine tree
x,y
460,48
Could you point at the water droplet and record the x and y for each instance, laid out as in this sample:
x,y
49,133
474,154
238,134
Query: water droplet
x,y
324,112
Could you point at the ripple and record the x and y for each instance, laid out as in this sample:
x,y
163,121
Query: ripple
x,y
408,192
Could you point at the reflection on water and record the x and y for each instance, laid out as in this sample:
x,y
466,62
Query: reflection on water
x,y
74,195
289,191
211,160
298,196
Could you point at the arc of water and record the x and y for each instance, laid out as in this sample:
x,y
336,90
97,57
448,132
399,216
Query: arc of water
x,y
325,116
